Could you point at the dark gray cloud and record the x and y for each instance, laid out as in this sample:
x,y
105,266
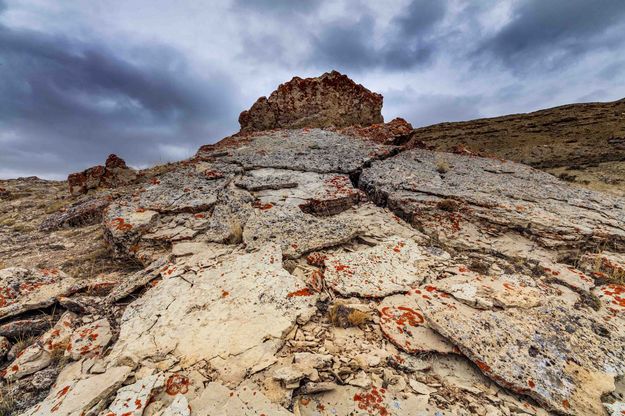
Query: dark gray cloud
x,y
279,6
548,33
79,101
408,42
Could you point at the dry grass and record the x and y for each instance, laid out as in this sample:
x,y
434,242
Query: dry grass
x,y
54,206
343,316
442,166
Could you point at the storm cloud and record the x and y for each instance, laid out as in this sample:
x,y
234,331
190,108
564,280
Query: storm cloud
x,y
152,80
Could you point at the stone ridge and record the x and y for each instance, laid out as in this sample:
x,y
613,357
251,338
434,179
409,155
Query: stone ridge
x,y
329,100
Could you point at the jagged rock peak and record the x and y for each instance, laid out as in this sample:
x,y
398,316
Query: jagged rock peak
x,y
331,99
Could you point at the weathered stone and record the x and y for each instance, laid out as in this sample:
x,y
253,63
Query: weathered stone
x,y
22,328
114,173
311,150
443,193
26,289
402,322
314,193
178,407
80,214
395,132
564,358
89,340
222,313
220,400
124,224
605,265
393,266
40,354
75,393
139,279
296,232
182,191
131,400
329,100
347,400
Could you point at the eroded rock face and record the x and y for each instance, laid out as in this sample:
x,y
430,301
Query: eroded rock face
x,y
113,173
219,314
329,100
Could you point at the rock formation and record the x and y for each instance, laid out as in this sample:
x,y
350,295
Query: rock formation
x,y
113,173
329,100
315,271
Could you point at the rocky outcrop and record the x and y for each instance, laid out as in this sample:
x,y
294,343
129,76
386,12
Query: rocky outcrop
x,y
113,173
329,100
327,272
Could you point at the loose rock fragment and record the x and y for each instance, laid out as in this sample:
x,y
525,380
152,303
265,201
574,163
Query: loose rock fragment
x,y
26,289
564,358
403,323
131,400
391,267
75,393
296,232
89,340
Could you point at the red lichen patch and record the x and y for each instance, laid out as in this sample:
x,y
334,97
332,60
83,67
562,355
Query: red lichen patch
x,y
371,402
316,280
62,392
616,293
120,224
342,268
155,181
199,216
213,174
140,209
483,366
316,259
177,384
566,404
261,206
224,293
531,383
301,292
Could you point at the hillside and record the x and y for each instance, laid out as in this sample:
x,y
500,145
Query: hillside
x,y
585,143
322,269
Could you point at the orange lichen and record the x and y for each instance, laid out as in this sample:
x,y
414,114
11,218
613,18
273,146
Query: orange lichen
x,y
301,292
177,384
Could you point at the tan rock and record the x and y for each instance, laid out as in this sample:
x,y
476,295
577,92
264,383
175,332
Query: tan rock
x,y
89,340
234,313
27,289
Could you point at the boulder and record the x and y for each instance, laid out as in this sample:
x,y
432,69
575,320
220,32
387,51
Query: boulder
x,y
329,100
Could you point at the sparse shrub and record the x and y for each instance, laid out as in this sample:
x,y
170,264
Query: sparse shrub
x,y
448,205
344,316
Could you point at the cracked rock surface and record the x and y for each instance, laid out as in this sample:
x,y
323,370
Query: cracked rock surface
x,y
313,271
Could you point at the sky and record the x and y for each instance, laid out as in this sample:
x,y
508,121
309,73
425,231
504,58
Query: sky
x,y
152,80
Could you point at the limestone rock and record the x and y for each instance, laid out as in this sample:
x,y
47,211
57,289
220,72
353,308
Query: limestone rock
x,y
329,100
445,193
131,400
26,289
309,150
391,267
232,312
219,400
403,323
79,214
89,340
564,358
297,232
75,393
395,132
